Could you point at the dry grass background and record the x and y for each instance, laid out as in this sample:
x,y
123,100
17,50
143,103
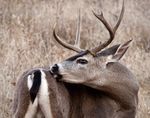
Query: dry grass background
x,y
26,39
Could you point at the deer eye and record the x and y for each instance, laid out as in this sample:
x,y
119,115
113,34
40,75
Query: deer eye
x,y
82,61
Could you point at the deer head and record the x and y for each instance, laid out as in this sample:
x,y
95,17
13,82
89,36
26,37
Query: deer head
x,y
87,63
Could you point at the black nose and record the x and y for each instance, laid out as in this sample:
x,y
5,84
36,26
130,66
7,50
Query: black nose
x,y
54,69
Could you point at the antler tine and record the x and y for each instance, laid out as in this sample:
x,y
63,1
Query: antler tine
x,y
111,30
77,41
103,20
120,18
66,45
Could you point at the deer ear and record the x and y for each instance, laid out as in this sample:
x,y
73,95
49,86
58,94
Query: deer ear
x,y
110,51
121,51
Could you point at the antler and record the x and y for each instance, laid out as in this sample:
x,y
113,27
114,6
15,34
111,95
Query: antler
x,y
76,46
111,30
77,41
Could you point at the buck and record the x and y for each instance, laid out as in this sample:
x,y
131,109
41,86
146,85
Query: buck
x,y
91,84
115,89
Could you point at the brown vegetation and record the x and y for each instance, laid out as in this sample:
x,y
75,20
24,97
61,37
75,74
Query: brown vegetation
x,y
26,39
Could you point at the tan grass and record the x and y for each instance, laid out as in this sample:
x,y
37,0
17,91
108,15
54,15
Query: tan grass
x,y
26,39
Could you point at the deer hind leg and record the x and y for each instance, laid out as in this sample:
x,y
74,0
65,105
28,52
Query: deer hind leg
x,y
21,99
25,108
39,113
20,110
15,104
32,109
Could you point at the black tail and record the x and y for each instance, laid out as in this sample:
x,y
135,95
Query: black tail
x,y
36,85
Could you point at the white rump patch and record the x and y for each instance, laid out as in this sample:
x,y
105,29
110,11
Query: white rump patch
x,y
43,95
30,81
42,98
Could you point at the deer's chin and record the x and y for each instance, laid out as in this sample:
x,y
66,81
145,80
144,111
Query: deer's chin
x,y
71,79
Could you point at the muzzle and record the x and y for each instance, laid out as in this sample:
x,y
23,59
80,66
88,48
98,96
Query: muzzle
x,y
54,70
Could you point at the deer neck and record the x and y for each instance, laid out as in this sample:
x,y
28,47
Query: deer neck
x,y
116,82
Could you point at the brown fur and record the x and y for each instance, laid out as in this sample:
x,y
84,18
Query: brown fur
x,y
77,101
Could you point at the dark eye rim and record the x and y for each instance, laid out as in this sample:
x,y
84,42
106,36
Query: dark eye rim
x,y
82,61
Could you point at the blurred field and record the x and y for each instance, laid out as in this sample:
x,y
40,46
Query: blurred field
x,y
26,39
